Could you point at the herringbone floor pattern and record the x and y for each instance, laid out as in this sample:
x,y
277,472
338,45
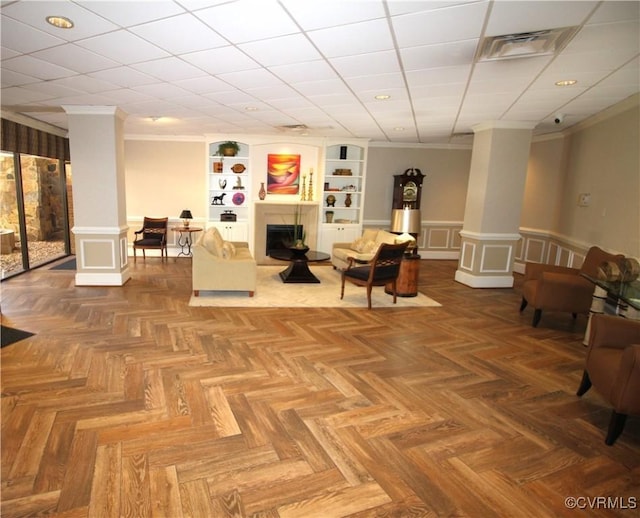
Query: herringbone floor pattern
x,y
129,403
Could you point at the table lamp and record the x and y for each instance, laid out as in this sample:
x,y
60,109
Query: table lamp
x,y
185,216
406,222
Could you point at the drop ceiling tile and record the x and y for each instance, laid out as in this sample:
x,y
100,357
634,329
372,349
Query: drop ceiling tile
x,y
203,85
318,15
457,23
85,83
11,78
273,92
34,13
180,34
75,58
283,50
231,97
125,77
161,90
169,69
221,60
124,96
249,78
321,87
378,81
248,20
123,47
615,12
13,95
38,68
133,12
532,15
302,72
352,39
438,56
385,62
438,76
21,38
620,37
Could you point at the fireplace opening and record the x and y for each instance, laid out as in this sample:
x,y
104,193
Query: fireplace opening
x,y
280,237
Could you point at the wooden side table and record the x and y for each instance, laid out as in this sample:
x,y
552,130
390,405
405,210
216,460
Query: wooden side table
x,y
407,282
185,240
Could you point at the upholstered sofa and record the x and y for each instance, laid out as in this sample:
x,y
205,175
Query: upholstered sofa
x,y
220,265
362,249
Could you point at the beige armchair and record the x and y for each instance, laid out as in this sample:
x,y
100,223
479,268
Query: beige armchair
x,y
560,288
220,265
613,367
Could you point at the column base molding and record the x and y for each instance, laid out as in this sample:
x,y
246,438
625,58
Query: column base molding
x,y
102,279
484,281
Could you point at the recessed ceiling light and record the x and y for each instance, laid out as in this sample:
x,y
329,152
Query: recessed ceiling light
x,y
398,128
60,21
383,97
566,82
155,118
251,108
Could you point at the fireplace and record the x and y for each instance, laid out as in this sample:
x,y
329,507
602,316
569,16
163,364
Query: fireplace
x,y
280,236
281,214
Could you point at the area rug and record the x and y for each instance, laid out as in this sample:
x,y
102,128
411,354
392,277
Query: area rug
x,y
67,265
272,292
9,335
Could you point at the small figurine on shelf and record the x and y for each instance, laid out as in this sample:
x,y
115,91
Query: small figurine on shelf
x,y
218,200
310,197
331,201
238,184
222,183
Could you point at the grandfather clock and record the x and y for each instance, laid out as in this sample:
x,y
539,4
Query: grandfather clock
x,y
407,189
405,220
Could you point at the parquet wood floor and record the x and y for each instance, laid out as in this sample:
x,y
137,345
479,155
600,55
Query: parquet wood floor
x,y
129,403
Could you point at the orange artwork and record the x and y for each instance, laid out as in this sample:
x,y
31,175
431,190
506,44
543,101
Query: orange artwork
x,y
283,174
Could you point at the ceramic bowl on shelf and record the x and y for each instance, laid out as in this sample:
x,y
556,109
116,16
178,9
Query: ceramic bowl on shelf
x,y
238,168
238,198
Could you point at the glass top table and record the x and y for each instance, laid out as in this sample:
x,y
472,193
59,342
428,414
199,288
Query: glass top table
x,y
625,292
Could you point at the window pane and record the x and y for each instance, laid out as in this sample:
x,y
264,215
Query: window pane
x,y
44,208
10,256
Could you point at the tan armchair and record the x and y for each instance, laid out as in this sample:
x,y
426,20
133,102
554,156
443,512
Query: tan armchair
x,y
613,367
560,288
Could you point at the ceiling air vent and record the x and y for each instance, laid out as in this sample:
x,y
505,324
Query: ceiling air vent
x,y
525,44
294,127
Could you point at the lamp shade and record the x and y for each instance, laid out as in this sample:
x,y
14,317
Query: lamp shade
x,y
406,221
186,214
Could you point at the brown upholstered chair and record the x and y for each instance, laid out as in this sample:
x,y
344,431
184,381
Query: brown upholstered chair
x,y
383,269
559,288
152,235
613,367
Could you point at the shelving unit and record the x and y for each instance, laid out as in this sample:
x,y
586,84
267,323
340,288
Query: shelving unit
x,y
229,190
344,177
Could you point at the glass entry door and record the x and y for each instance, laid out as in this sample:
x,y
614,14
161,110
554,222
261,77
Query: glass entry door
x,y
34,212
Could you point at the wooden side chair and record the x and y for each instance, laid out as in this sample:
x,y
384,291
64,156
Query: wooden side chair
x,y
152,235
382,270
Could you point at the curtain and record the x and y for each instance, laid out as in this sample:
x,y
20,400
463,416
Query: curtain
x,y
18,138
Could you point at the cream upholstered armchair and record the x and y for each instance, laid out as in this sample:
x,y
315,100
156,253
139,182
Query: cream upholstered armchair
x,y
613,367
362,250
220,265
559,288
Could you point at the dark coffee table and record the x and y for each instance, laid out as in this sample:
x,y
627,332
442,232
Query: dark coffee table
x,y
299,259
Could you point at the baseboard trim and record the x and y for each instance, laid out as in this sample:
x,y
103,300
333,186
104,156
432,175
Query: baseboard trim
x,y
102,279
485,281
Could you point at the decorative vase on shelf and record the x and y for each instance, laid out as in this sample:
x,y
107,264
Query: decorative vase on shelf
x,y
262,194
329,216
347,200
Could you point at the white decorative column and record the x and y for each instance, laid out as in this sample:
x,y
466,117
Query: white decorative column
x,y
490,231
99,201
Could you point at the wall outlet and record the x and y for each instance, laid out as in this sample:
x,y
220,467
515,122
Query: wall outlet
x,y
584,199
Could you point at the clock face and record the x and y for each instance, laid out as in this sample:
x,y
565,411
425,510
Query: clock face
x,y
409,192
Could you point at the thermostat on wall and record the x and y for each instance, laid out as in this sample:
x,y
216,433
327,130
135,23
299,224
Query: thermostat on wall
x,y
584,199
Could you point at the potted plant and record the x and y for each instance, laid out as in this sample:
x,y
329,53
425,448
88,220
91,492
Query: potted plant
x,y
229,148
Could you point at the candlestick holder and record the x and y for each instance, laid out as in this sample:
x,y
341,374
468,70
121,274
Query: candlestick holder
x,y
310,196
303,191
